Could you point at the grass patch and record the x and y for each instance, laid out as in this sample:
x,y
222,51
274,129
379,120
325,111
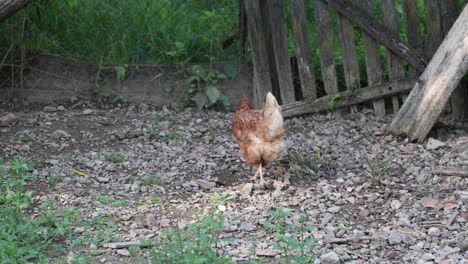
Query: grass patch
x,y
114,157
24,239
294,236
107,200
299,164
150,180
54,179
376,169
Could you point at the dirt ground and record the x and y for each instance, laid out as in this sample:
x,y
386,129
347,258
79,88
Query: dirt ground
x,y
370,197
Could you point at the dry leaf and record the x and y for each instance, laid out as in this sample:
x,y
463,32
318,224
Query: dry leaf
x,y
448,206
80,173
430,202
364,212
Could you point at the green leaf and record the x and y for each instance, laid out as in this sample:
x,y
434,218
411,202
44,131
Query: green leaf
x,y
231,70
72,3
120,72
213,94
201,100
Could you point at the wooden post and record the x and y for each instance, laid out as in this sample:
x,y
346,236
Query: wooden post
x,y
262,80
10,7
395,68
413,32
431,93
372,57
280,50
303,51
349,54
449,12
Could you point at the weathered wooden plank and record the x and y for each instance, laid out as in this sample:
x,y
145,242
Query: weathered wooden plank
x,y
303,51
349,54
433,89
372,58
449,13
387,37
280,49
358,96
394,66
415,40
262,80
325,41
434,27
10,7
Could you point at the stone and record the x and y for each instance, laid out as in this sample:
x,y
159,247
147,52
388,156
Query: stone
x,y
151,221
7,119
206,185
59,133
433,144
330,258
49,109
165,223
102,179
395,238
395,204
433,231
87,111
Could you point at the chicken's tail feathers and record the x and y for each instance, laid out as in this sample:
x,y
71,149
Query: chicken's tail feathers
x,y
272,116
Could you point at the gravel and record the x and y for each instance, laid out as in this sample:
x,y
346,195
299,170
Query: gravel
x,y
176,159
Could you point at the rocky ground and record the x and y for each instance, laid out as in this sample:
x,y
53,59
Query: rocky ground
x,y
370,197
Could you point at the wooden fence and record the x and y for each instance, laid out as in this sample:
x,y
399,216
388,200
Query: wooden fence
x,y
392,65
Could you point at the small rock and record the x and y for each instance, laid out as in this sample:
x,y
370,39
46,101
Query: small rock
x,y
392,254
364,212
206,185
7,119
49,109
87,111
61,108
433,144
80,192
222,208
59,133
164,125
79,230
395,238
247,188
123,252
102,179
395,204
434,231
165,223
266,252
334,209
151,221
330,258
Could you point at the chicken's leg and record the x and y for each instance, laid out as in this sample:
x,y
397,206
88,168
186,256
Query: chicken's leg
x,y
262,181
254,178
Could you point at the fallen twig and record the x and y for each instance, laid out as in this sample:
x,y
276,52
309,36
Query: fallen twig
x,y
453,172
127,244
346,240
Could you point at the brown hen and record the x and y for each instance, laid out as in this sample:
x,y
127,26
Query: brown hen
x,y
259,133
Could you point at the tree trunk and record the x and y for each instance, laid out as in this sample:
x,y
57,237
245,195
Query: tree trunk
x,y
433,89
10,7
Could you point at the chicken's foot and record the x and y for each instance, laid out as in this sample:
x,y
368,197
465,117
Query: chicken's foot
x,y
259,172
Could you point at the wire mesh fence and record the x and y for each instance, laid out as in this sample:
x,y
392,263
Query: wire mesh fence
x,y
125,31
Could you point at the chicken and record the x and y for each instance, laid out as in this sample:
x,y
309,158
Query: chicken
x,y
259,134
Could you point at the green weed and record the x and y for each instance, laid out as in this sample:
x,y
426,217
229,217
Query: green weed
x,y
114,157
22,238
202,87
150,180
375,169
54,179
294,236
221,199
